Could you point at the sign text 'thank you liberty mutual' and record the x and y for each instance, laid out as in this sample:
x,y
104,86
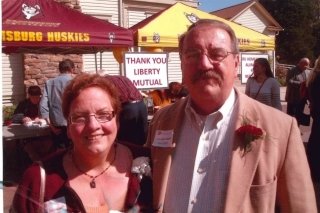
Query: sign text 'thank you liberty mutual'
x,y
147,70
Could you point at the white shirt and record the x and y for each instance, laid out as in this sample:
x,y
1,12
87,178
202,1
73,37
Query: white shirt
x,y
200,165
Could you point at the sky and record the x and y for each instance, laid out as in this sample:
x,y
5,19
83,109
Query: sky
x,y
212,5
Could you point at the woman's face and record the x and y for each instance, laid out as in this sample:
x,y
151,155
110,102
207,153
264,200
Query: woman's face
x,y
92,136
258,69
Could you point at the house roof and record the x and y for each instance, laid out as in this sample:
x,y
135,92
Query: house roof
x,y
232,12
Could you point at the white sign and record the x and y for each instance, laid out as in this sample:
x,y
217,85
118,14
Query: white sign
x,y
147,70
247,60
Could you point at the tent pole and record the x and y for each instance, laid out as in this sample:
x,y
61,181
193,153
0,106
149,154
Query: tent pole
x,y
121,24
96,63
100,61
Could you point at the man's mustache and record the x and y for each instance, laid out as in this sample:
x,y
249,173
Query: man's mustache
x,y
209,74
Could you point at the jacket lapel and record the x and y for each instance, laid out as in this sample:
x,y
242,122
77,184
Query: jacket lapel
x,y
243,166
162,157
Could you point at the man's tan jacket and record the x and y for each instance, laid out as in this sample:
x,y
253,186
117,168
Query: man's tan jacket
x,y
273,177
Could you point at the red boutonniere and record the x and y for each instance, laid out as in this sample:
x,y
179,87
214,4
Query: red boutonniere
x,y
249,133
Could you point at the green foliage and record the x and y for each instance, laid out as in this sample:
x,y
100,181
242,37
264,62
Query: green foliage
x,y
281,73
300,37
7,112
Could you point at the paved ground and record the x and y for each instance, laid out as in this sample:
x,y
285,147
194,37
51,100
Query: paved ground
x,y
10,190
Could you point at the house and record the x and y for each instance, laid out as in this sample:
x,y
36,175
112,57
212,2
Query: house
x,y
253,15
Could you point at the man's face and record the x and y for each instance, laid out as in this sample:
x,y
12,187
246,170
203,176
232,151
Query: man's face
x,y
35,99
303,65
208,66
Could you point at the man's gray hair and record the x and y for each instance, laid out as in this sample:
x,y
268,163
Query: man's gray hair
x,y
215,24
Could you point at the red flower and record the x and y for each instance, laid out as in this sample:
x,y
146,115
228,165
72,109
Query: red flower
x,y
250,130
249,133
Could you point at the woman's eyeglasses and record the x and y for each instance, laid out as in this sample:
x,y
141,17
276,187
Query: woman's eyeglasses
x,y
102,117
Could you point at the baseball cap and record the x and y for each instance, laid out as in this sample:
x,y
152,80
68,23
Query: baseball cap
x,y
34,91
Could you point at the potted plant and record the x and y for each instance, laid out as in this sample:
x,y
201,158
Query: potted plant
x,y
7,112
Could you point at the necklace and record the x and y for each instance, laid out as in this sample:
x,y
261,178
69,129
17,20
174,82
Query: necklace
x,y
93,181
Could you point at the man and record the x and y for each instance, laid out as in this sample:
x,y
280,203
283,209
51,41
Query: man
x,y
295,79
134,115
218,150
50,104
28,109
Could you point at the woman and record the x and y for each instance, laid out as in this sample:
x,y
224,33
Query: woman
x,y
313,146
262,85
95,174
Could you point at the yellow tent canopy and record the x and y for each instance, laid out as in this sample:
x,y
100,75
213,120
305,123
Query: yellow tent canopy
x,y
164,28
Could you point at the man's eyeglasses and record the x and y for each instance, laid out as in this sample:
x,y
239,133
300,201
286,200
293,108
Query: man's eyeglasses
x,y
214,55
102,117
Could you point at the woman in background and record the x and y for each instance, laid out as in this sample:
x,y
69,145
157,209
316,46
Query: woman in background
x,y
262,85
313,146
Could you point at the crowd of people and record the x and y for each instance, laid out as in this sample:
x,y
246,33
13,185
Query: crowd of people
x,y
211,147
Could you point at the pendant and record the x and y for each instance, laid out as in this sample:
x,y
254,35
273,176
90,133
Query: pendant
x,y
92,184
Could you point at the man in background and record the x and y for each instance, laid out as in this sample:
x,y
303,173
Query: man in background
x,y
50,104
134,115
296,78
28,109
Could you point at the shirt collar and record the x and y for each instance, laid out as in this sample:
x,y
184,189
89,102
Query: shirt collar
x,y
222,113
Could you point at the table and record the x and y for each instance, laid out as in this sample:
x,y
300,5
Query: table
x,y
20,131
14,156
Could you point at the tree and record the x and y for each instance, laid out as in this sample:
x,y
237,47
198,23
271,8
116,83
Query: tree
x,y
316,30
298,18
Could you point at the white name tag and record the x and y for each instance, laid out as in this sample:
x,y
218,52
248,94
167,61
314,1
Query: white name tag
x,y
56,205
163,138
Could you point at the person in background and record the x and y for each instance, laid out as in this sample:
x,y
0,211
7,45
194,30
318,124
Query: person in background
x,y
28,109
262,86
160,97
294,79
50,104
177,91
95,174
218,150
313,145
133,117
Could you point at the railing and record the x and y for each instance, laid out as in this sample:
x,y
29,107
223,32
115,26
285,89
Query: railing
x,y
284,66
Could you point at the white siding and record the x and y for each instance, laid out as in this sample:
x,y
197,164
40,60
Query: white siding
x,y
174,67
109,63
135,16
251,19
105,10
100,8
13,90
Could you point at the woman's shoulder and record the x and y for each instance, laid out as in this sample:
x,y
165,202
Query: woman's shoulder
x,y
271,80
123,160
124,151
